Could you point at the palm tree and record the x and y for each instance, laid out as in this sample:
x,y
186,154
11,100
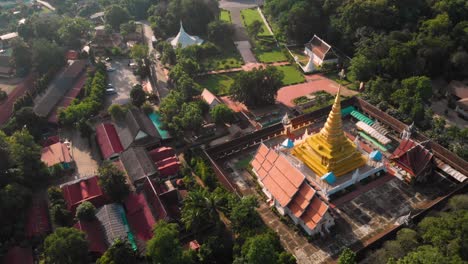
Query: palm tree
x,y
200,209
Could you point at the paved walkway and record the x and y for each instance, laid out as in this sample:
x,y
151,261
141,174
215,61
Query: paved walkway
x,y
247,67
240,38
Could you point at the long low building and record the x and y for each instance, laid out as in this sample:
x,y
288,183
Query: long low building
x,y
62,83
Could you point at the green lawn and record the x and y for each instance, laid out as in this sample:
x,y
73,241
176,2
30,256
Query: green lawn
x,y
270,55
225,15
219,84
249,16
229,58
291,75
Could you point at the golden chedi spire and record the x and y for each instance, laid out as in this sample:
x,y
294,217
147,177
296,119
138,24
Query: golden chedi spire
x,y
330,150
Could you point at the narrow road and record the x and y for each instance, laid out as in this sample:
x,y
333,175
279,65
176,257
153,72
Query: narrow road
x,y
240,38
157,69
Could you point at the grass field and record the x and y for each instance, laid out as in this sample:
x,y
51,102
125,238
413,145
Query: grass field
x,y
251,15
219,84
270,55
225,15
291,75
228,58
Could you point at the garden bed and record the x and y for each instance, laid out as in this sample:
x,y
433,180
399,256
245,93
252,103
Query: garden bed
x,y
225,16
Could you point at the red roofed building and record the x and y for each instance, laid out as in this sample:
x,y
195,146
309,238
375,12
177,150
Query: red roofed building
x,y
289,191
414,159
94,235
108,141
168,167
152,195
139,216
18,255
166,161
84,190
57,153
37,222
210,98
161,153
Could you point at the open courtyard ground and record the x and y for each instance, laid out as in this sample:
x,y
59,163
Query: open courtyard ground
x,y
315,83
122,79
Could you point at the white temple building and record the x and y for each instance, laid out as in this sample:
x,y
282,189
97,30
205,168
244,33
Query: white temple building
x,y
184,40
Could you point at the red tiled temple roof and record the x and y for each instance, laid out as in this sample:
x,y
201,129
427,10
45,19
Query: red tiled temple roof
x,y
161,153
94,234
168,167
55,154
288,186
411,157
139,216
280,178
108,140
84,190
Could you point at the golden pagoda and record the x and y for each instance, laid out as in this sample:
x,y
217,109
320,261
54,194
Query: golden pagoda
x,y
330,150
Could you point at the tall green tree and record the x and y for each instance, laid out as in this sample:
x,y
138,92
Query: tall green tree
x,y
200,209
120,252
347,256
258,87
113,181
21,57
66,246
164,246
260,249
222,114
244,216
116,15
86,211
46,55
73,30
137,95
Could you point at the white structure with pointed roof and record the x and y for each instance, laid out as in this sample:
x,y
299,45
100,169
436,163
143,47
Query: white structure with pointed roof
x,y
184,39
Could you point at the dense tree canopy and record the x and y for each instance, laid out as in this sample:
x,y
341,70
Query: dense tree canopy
x,y
165,247
67,246
195,15
86,211
222,114
258,87
116,15
120,252
113,181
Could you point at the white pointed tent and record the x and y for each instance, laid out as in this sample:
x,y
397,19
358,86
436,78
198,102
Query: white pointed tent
x,y
183,39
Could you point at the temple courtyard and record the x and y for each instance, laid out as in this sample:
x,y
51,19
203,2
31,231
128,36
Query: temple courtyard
x,y
339,181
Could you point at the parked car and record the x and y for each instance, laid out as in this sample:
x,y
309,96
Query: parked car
x,y
108,59
110,91
109,85
111,69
